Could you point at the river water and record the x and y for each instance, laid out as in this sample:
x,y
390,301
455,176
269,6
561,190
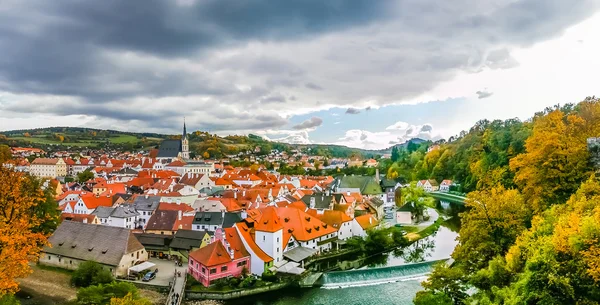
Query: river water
x,y
372,288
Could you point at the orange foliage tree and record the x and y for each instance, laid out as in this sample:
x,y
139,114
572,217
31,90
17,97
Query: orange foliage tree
x,y
19,244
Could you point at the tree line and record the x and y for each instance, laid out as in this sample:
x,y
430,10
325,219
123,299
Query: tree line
x,y
531,231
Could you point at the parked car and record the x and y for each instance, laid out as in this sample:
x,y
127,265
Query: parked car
x,y
149,276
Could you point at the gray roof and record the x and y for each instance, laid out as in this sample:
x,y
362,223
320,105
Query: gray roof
x,y
124,212
141,203
208,218
126,171
102,211
89,242
169,149
230,219
376,202
321,201
188,239
299,254
211,190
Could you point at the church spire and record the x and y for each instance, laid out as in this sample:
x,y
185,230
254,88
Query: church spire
x,y
184,129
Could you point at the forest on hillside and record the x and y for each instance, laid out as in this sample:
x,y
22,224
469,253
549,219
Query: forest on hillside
x,y
531,232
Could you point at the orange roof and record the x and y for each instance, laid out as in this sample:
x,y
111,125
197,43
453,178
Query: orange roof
x,y
269,221
334,218
213,254
176,163
230,204
235,243
92,202
165,206
139,182
247,234
185,223
367,221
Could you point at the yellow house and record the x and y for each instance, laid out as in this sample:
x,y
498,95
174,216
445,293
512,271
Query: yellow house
x,y
186,241
48,168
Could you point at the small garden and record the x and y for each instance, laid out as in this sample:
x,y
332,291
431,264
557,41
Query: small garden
x,y
246,281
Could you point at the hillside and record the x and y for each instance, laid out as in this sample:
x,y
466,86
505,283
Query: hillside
x,y
200,142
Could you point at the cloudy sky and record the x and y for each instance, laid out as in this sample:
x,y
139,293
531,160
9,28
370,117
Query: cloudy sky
x,y
360,73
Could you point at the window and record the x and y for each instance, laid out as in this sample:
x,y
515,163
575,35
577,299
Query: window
x,y
264,238
242,263
213,270
49,257
71,262
277,249
203,269
224,268
277,239
197,227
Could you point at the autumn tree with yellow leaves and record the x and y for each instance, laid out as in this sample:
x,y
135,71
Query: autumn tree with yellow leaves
x,y
20,239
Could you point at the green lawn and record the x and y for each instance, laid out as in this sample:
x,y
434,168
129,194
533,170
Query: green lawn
x,y
119,139
49,141
123,138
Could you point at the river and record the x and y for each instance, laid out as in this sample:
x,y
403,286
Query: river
x,y
371,288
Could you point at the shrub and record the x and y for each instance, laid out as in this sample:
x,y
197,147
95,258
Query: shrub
x,y
268,276
103,293
90,273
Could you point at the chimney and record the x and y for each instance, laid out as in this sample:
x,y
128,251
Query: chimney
x,y
178,201
231,253
377,175
222,214
146,196
85,220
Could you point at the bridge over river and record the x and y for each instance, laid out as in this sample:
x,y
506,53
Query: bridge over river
x,y
448,197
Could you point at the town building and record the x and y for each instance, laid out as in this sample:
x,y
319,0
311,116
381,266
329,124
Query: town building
x,y
48,168
73,243
214,262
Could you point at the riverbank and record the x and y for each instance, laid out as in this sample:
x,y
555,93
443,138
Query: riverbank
x,y
52,286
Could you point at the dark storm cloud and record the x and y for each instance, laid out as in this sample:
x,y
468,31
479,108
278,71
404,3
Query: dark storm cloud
x,y
426,128
313,86
483,94
238,55
310,123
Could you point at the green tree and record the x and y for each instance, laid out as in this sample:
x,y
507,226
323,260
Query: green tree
x,y
395,154
85,176
103,293
432,298
90,273
490,226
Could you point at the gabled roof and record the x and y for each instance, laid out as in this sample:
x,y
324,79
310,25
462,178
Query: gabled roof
x,y
334,218
89,242
321,201
268,221
213,254
367,221
367,184
169,149
209,218
146,203
235,243
247,234
188,239
162,220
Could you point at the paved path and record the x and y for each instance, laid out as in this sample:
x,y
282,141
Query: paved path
x,y
178,286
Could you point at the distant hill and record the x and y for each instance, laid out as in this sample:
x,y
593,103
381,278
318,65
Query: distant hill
x,y
200,142
404,145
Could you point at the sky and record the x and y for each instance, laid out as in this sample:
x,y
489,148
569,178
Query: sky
x,y
361,73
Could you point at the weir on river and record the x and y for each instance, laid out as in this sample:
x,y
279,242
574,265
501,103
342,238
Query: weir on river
x,y
373,276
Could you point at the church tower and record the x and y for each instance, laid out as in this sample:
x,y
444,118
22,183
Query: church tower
x,y
185,144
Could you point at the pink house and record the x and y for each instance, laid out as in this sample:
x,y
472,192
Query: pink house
x,y
215,261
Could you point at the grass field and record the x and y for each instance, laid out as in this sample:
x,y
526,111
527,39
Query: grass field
x,y
119,139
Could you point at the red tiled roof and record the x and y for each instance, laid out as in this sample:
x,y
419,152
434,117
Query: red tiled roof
x,y
235,243
213,254
367,221
247,234
269,221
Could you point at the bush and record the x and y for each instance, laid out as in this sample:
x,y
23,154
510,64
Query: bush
x,y
268,276
90,273
9,299
101,294
248,282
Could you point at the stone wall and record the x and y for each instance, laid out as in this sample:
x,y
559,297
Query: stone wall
x,y
228,295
